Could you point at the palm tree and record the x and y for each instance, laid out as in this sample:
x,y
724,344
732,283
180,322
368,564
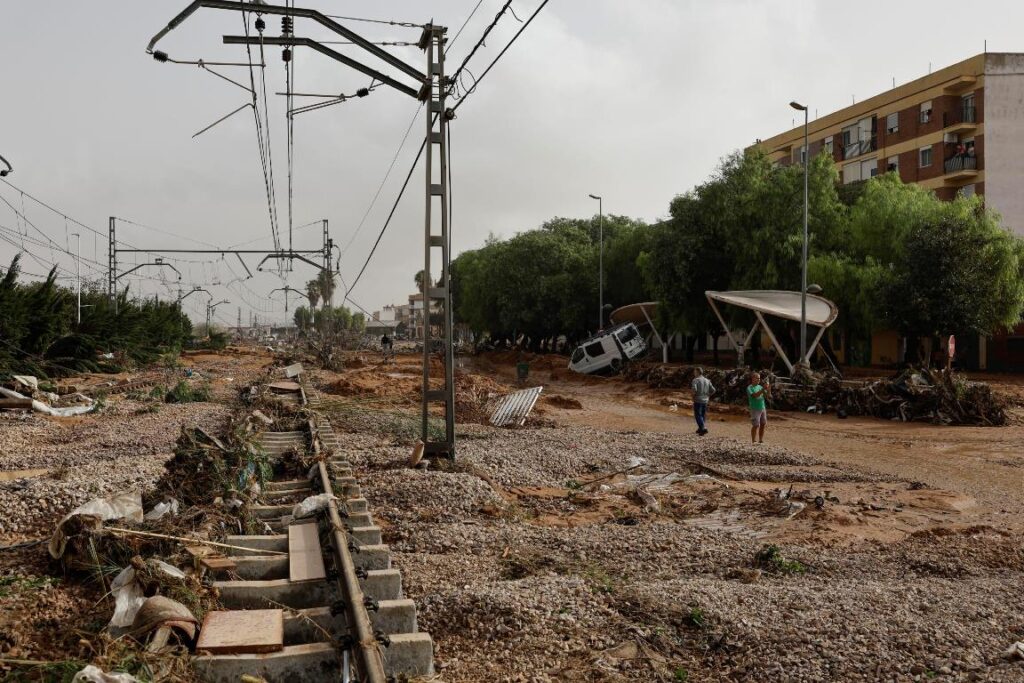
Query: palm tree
x,y
421,281
313,292
325,281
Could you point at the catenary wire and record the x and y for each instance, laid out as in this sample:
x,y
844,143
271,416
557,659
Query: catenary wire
x,y
391,167
500,54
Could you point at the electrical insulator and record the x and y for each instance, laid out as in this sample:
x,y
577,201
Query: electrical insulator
x,y
362,92
286,55
260,24
286,26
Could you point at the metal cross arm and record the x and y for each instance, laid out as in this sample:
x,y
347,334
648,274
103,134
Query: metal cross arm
x,y
193,291
287,289
143,265
324,50
316,16
289,255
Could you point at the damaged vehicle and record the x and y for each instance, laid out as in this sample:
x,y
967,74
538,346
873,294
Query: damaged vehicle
x,y
608,350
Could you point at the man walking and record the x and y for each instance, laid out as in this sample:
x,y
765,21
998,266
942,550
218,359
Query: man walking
x,y
758,413
702,391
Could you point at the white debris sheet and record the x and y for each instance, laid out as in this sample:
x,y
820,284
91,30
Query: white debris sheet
x,y
515,408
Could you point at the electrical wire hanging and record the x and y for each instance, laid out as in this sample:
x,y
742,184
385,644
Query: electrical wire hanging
x,y
501,54
479,43
287,29
405,24
463,27
391,215
387,174
259,134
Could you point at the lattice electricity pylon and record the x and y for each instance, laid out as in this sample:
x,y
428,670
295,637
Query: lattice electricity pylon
x,y
435,88
430,88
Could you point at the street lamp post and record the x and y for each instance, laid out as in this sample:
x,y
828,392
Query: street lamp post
x,y
803,278
600,263
78,274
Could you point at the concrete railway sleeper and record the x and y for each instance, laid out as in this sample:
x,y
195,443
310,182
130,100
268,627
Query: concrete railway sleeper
x,y
344,614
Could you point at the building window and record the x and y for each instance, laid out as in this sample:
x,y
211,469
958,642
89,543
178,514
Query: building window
x,y
926,111
893,166
828,144
924,157
969,114
801,154
892,123
868,169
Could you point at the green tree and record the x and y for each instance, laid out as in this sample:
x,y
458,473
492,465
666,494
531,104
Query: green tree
x,y
960,274
313,292
303,318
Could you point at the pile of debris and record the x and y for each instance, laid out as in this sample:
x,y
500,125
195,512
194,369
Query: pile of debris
x,y
916,394
730,385
26,393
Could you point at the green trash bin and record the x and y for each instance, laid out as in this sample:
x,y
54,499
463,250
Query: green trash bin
x,y
522,371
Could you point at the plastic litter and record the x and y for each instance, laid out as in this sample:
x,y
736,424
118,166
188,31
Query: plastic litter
x,y
313,504
94,674
161,509
128,598
159,611
650,502
1015,651
41,407
27,381
126,505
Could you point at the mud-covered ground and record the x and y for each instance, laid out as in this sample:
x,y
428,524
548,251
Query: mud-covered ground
x,y
535,556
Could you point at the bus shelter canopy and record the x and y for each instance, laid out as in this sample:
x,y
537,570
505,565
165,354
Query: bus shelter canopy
x,y
779,303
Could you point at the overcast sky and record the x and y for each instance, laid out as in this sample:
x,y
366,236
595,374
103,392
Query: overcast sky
x,y
635,100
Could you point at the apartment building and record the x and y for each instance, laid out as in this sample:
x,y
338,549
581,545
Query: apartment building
x,y
958,130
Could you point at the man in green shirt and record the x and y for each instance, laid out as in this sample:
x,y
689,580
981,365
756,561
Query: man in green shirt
x,y
758,413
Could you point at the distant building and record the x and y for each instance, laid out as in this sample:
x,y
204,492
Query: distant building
x,y
959,130
382,322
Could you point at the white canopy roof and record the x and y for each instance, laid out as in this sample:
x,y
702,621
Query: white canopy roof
x,y
782,304
638,314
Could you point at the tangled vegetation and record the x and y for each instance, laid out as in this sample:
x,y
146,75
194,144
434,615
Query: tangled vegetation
x,y
39,334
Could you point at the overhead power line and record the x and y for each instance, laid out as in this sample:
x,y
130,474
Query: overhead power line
x,y
391,215
479,43
391,167
463,27
501,54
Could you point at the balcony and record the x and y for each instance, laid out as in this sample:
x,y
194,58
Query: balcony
x,y
858,147
961,167
961,120
959,85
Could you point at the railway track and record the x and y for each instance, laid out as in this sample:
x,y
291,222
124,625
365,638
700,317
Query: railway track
x,y
343,610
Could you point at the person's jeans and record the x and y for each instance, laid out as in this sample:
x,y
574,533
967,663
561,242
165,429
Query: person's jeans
x,y
700,414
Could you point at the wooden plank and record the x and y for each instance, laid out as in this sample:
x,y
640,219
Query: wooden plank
x,y
305,557
238,632
16,403
219,563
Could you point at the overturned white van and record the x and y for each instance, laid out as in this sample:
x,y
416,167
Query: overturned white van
x,y
608,350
